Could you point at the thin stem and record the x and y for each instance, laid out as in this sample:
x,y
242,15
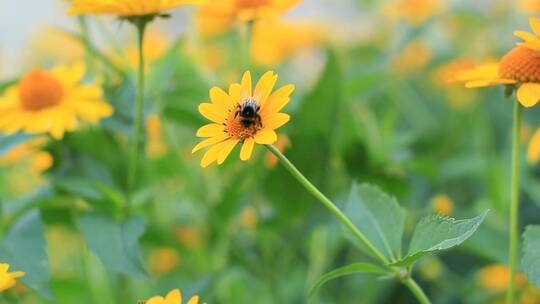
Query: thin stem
x,y
85,34
416,290
327,203
514,201
408,281
139,108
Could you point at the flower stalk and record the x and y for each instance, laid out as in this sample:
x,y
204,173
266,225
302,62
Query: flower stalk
x,y
514,201
408,281
140,24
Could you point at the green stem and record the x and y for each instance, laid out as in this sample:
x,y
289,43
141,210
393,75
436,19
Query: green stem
x,y
139,108
514,201
416,290
408,281
85,34
327,203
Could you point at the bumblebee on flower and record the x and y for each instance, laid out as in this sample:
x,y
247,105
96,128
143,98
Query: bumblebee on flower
x,y
242,115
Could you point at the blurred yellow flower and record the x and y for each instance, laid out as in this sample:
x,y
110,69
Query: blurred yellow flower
x,y
219,16
52,45
445,74
533,150
126,8
39,160
154,46
412,11
163,260
7,279
51,102
529,6
519,67
188,236
496,277
273,41
442,204
173,297
243,115
155,146
415,56
249,218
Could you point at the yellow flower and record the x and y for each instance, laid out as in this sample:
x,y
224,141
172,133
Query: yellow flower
x,y
39,160
529,6
163,259
155,46
7,279
442,204
219,16
496,277
273,41
54,45
155,146
520,68
126,8
51,102
242,115
412,11
173,297
188,236
415,56
249,218
533,151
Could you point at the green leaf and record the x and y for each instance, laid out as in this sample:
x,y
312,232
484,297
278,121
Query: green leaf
x,y
344,271
378,216
24,249
114,242
436,232
531,257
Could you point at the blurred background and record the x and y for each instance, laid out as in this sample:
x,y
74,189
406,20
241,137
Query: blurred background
x,y
374,103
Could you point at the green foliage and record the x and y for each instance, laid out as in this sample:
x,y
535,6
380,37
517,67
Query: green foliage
x,y
344,271
24,248
114,242
378,216
436,232
531,250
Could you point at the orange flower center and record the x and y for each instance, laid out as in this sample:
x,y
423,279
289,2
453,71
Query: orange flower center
x,y
251,3
238,130
38,90
521,64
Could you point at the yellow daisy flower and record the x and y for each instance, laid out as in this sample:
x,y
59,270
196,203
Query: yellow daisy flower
x,y
242,115
7,279
51,102
442,204
519,68
173,297
126,8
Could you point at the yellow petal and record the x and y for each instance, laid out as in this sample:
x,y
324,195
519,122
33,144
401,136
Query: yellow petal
x,y
211,130
224,153
210,141
235,91
221,98
528,94
4,267
525,35
193,300
535,25
265,137
533,151
278,99
275,120
264,87
212,154
246,85
174,297
212,112
247,149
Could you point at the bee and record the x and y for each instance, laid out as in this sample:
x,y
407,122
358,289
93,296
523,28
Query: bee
x,y
248,111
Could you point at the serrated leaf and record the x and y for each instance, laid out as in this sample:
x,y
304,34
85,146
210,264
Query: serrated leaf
x,y
344,271
114,242
436,232
531,257
378,216
24,248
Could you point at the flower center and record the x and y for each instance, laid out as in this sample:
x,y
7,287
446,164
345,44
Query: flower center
x,y
251,3
239,126
521,64
38,90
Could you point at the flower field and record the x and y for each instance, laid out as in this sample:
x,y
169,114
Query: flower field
x,y
270,151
